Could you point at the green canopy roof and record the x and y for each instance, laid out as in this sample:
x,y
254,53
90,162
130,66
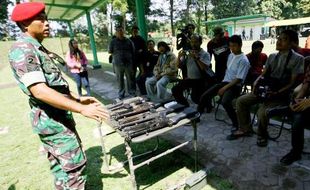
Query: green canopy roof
x,y
68,10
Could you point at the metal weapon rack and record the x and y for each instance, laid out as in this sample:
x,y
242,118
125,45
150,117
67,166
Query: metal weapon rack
x,y
138,120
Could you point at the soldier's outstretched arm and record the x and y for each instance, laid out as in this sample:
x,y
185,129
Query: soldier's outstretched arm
x,y
50,96
84,99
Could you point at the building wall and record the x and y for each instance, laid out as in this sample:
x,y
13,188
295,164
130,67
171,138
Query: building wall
x,y
257,25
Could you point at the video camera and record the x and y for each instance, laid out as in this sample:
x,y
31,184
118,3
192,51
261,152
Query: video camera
x,y
184,31
266,85
183,39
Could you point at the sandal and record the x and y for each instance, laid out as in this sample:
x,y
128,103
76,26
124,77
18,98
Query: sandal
x,y
261,141
237,134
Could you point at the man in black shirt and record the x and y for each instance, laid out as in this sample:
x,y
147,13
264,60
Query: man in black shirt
x,y
122,50
147,66
218,47
140,48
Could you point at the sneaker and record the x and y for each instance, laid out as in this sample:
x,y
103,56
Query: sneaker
x,y
234,129
289,158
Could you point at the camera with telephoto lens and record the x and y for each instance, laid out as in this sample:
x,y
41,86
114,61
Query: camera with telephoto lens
x,y
262,88
262,91
182,38
266,85
184,31
186,52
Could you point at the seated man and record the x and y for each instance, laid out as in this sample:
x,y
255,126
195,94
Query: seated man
x,y
280,75
147,66
165,71
301,112
257,60
230,88
196,61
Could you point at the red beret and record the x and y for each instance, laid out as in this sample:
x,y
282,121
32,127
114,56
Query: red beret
x,y
24,11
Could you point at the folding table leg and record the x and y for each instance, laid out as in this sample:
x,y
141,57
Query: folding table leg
x,y
131,166
194,124
102,146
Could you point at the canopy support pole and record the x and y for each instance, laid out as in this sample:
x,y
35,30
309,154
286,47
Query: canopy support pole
x,y
141,18
96,64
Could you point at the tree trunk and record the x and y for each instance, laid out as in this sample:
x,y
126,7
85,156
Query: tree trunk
x,y
171,18
124,21
199,14
206,16
188,3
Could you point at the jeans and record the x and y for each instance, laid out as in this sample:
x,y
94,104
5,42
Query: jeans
x,y
82,79
300,121
128,71
141,82
243,106
158,88
227,99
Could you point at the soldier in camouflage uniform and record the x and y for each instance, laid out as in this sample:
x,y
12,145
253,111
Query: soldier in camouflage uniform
x,y
50,99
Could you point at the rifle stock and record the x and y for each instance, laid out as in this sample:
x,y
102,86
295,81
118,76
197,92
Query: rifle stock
x,y
147,127
135,116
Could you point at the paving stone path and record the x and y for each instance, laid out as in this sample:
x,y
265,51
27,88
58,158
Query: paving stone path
x,y
246,165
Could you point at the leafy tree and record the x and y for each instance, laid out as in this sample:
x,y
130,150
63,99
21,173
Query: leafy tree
x,y
152,25
304,7
79,28
62,32
4,10
231,8
272,8
132,7
4,24
122,7
100,21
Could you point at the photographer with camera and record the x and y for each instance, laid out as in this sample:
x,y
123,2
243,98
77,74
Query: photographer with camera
x,y
184,38
272,88
197,61
301,110
184,42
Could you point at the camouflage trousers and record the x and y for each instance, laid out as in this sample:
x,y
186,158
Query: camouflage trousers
x,y
64,150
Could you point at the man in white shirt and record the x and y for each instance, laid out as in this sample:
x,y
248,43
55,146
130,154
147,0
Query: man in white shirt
x,y
230,88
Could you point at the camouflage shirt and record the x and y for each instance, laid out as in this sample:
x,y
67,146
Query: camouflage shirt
x,y
31,64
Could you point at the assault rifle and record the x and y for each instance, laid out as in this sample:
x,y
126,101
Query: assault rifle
x,y
147,116
119,105
145,127
123,108
157,121
134,110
